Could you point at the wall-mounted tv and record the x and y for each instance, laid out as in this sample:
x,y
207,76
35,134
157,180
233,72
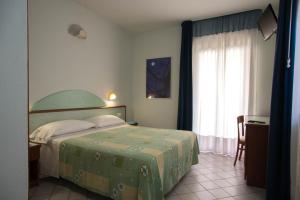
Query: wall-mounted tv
x,y
267,23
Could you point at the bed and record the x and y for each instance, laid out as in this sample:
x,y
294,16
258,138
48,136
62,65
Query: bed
x,y
122,161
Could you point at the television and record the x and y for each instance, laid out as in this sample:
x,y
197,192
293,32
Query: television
x,y
267,22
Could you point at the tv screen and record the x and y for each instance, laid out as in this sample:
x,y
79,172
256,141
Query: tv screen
x,y
268,22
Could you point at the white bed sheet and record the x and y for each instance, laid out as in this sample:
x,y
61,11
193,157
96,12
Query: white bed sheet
x,y
49,154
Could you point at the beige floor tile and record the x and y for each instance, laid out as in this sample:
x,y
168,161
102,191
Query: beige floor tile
x,y
219,193
209,185
197,187
205,195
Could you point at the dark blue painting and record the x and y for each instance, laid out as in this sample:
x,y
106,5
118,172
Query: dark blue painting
x,y
158,78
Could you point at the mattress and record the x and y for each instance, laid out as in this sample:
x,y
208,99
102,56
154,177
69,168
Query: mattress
x,y
124,162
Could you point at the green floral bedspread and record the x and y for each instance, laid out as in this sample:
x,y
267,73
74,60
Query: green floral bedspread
x,y
129,163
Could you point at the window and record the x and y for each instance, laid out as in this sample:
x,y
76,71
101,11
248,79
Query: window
x,y
221,76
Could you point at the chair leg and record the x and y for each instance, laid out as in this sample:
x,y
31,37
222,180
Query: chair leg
x,y
241,152
237,154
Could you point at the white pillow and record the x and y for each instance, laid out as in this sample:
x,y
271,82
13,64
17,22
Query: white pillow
x,y
44,133
106,120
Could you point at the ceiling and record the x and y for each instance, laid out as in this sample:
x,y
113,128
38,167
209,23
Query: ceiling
x,y
145,15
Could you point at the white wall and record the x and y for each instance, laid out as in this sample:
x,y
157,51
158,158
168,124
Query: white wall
x,y
13,100
263,76
155,44
166,42
295,137
59,61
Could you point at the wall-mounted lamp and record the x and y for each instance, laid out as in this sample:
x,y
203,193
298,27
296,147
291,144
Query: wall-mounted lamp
x,y
112,96
77,31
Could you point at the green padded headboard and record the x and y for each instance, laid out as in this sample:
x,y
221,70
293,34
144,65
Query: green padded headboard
x,y
70,104
68,99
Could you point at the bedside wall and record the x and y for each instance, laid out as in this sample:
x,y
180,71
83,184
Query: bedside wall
x,y
59,61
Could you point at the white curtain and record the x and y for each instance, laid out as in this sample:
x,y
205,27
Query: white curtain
x,y
222,65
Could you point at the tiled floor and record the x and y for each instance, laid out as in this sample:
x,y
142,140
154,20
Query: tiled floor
x,y
213,178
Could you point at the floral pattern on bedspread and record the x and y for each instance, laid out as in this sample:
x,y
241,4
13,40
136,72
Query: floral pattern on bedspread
x,y
129,163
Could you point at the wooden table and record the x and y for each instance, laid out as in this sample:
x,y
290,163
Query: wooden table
x,y
256,150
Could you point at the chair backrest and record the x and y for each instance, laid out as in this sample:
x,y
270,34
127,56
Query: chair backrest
x,y
240,126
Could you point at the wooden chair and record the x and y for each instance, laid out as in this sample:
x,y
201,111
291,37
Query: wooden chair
x,y
241,138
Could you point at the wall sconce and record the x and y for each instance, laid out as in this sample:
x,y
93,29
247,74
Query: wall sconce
x,y
112,96
77,31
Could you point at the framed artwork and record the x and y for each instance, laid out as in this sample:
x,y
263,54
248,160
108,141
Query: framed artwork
x,y
158,78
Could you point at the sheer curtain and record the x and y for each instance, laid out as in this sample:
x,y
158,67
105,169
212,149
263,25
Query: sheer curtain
x,y
221,86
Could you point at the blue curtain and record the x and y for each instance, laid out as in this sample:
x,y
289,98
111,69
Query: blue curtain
x,y
185,104
227,23
278,168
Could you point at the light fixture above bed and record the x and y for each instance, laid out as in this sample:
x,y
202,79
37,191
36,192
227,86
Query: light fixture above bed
x,y
112,96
